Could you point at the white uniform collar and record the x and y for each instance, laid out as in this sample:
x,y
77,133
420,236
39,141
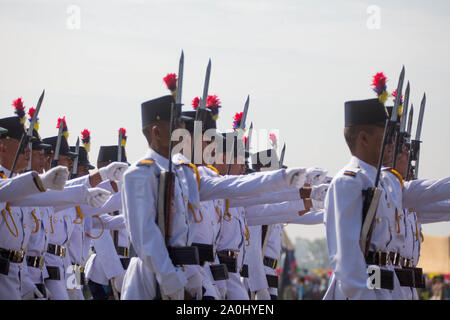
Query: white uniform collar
x,y
159,159
368,168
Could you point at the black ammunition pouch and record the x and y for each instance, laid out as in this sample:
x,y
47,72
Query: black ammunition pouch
x,y
205,252
184,255
219,271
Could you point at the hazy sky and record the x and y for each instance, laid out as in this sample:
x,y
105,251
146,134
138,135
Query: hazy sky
x,y
298,60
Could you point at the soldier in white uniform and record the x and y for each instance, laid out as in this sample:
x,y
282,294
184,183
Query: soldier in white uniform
x,y
15,226
139,279
364,121
107,266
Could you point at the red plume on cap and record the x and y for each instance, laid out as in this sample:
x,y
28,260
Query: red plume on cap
x,y
237,120
379,86
124,136
195,103
86,139
394,94
64,132
245,140
31,112
273,140
171,81
20,109
213,102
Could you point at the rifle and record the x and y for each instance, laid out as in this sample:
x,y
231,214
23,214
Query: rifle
x,y
58,145
372,195
414,152
402,133
27,138
75,161
240,129
247,149
200,114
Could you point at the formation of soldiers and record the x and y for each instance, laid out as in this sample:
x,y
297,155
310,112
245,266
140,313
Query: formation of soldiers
x,y
178,224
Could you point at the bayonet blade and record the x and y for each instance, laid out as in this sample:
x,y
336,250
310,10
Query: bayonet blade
x,y
202,104
75,161
244,114
282,156
30,129
398,97
249,138
180,78
58,143
410,119
420,121
119,147
405,110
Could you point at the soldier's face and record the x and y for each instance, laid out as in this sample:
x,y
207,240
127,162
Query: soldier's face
x,y
38,161
9,152
372,142
66,161
402,162
82,171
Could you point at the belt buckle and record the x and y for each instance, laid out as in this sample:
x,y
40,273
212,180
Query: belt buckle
x,y
63,252
17,255
81,268
395,259
274,264
127,252
41,262
379,258
388,258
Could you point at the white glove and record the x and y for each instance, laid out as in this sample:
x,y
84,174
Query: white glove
x,y
55,178
296,177
317,205
114,171
117,282
96,197
177,295
194,286
315,176
223,292
319,192
263,294
34,294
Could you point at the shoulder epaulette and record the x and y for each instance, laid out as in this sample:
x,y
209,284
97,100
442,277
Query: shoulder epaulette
x,y
145,163
350,173
396,174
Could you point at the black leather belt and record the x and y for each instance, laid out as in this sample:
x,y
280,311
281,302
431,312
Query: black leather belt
x,y
272,281
183,255
219,271
205,252
53,273
123,251
14,256
228,257
271,263
35,262
411,277
386,258
125,262
56,250
244,271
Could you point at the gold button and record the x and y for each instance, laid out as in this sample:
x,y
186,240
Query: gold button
x,y
46,231
379,219
388,205
55,219
401,216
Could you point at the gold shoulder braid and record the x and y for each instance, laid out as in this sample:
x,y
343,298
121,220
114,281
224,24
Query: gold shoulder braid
x,y
213,169
103,228
398,175
247,235
191,208
227,216
7,209
36,221
80,217
194,167
219,215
